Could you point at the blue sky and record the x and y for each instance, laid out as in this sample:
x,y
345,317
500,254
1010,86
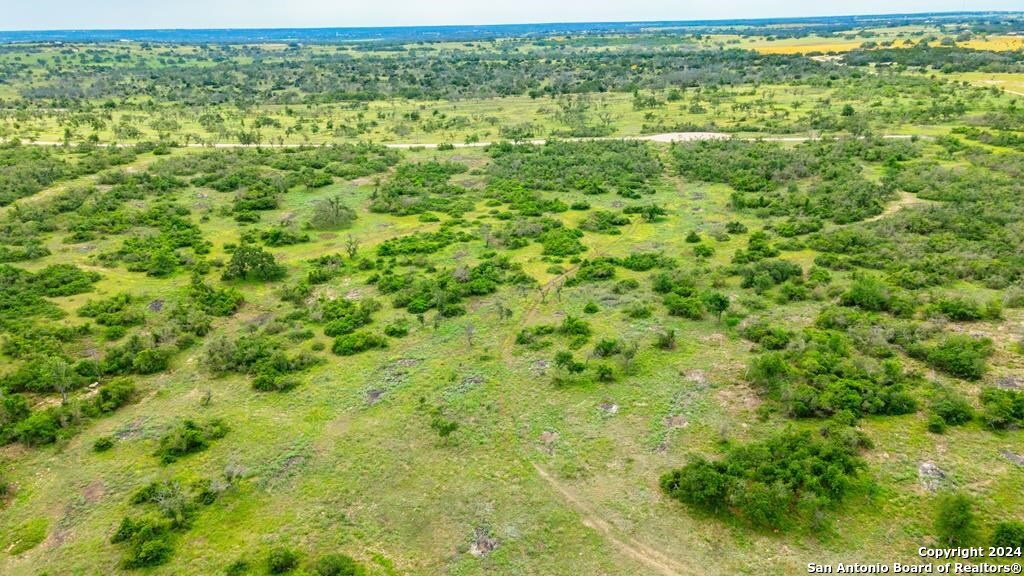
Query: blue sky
x,y
82,14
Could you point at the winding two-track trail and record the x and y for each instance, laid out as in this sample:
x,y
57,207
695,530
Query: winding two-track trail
x,y
632,547
654,559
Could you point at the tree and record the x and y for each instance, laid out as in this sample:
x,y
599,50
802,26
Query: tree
x,y
253,262
351,246
59,373
716,303
332,213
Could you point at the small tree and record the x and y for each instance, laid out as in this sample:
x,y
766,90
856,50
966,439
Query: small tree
x,y
717,303
253,262
332,213
351,246
59,373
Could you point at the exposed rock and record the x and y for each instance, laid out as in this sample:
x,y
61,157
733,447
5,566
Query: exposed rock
x,y
1015,458
156,305
930,476
1010,382
373,396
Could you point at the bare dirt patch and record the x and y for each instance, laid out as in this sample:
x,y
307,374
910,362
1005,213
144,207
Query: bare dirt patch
x,y
483,544
677,421
94,491
697,377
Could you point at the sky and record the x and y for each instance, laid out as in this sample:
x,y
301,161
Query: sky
x,y
147,14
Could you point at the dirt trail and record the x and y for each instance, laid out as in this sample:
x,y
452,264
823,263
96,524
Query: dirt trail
x,y
509,343
642,553
80,182
906,200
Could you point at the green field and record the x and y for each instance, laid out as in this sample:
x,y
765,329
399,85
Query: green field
x,y
485,359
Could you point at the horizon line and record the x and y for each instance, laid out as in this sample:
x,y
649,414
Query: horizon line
x,y
510,24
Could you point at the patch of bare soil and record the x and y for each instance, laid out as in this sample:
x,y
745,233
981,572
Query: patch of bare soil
x,y
738,396
94,491
677,421
483,544
130,430
697,377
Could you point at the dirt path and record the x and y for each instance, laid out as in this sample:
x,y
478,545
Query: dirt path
x,y
642,553
80,182
906,200
509,343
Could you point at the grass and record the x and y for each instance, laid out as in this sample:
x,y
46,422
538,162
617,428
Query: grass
x,y
561,482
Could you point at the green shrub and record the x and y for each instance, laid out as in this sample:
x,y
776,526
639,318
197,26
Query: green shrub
x,y
666,339
1003,409
952,409
337,565
959,355
397,329
214,301
766,483
606,347
357,342
41,427
152,360
767,336
936,425
954,521
735,228
148,539
103,444
819,375
689,307
573,326
1009,534
958,309
282,561
239,567
189,437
